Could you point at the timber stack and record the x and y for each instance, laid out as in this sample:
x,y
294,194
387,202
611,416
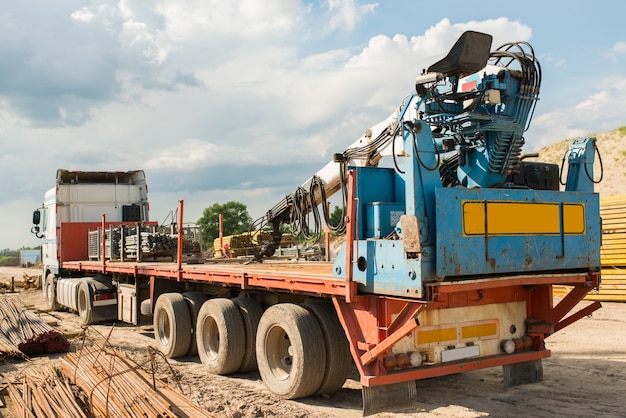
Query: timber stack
x,y
248,243
613,250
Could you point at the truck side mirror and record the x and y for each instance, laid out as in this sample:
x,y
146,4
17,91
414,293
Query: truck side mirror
x,y
36,217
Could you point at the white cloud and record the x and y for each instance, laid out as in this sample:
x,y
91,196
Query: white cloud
x,y
438,38
11,161
151,46
605,107
196,20
548,128
192,154
217,100
600,112
325,60
345,14
618,48
83,15
329,99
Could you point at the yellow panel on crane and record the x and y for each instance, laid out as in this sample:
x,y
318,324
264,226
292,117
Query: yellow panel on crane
x,y
522,218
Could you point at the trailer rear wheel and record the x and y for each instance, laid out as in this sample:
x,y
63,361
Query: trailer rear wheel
x,y
194,303
338,359
51,295
83,304
220,336
251,312
290,351
172,325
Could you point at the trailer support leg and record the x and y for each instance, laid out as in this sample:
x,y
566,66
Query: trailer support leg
x,y
397,396
522,373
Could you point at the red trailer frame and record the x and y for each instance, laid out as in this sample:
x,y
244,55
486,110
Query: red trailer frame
x,y
367,319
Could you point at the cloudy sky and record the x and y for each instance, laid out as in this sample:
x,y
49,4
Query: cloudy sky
x,y
245,99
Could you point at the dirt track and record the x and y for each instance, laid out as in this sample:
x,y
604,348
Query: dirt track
x,y
585,376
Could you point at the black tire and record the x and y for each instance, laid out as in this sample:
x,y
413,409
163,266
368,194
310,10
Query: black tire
x,y
172,325
50,293
220,336
290,351
338,359
251,312
194,303
83,303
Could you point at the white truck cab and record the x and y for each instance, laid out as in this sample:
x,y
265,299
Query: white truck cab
x,y
77,204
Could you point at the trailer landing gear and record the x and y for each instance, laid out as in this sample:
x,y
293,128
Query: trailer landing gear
x,y
522,373
391,397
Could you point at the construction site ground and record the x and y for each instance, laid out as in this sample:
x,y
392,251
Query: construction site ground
x,y
584,377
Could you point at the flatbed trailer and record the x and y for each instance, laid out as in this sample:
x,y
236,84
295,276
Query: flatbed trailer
x,y
442,327
445,326
373,324
448,264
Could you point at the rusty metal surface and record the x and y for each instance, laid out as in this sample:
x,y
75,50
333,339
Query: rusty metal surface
x,y
462,254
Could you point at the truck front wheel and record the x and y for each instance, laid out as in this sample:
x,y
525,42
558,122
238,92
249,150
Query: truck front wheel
x,y
51,294
291,353
172,325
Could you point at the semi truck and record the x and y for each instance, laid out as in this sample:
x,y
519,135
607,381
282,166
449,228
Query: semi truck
x,y
454,240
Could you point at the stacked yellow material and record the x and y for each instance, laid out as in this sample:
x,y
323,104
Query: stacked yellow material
x,y
248,243
612,252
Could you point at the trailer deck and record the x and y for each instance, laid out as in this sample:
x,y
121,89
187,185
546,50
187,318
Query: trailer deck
x,y
302,277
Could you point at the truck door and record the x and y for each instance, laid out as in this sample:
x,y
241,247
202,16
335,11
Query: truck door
x,y
49,251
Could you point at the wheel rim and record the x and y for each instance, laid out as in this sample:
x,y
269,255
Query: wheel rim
x,y
210,338
164,329
279,352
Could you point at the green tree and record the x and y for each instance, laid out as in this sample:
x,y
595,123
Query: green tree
x,y
8,252
336,216
9,257
236,220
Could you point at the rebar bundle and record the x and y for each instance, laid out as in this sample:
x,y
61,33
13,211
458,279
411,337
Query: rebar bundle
x,y
150,243
117,387
8,349
27,331
96,382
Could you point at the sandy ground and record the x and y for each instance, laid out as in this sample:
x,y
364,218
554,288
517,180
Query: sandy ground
x,y
584,377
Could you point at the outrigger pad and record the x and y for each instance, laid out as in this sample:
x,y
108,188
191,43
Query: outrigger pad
x,y
387,398
522,373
